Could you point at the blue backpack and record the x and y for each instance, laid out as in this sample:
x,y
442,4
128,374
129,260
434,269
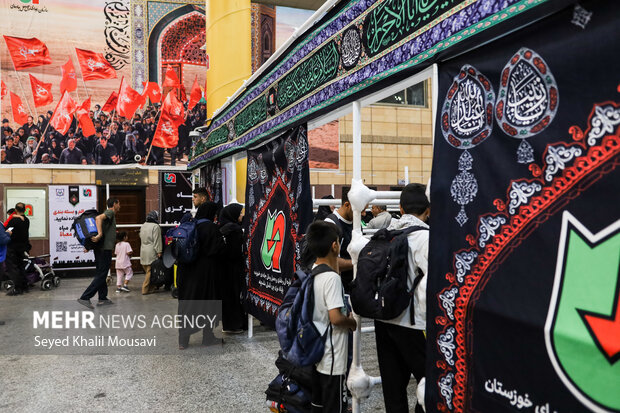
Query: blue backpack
x,y
185,240
301,342
84,227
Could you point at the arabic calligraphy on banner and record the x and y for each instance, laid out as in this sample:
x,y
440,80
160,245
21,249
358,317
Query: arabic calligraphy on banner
x,y
65,203
175,190
118,42
317,70
394,20
251,116
137,177
520,401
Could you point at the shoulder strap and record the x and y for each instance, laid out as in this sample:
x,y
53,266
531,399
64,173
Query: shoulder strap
x,y
319,269
334,218
202,220
414,228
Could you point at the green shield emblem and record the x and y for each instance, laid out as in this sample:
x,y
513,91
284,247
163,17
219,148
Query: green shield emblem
x,y
582,331
273,240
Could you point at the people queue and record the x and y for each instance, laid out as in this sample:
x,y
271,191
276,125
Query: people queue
x,y
400,342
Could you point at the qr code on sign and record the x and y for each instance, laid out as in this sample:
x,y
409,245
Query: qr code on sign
x,y
61,246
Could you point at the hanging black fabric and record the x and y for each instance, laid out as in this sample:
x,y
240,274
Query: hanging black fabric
x,y
523,270
212,180
278,209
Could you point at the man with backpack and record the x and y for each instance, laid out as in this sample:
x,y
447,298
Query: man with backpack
x,y
401,345
105,243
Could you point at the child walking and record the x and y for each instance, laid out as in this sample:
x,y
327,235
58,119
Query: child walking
x,y
123,253
330,312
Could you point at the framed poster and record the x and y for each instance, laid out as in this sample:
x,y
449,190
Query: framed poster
x,y
35,200
65,203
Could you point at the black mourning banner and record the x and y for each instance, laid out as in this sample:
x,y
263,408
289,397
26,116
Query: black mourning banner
x,y
212,179
278,210
523,288
175,190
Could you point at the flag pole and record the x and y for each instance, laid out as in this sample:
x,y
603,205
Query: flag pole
x,y
153,138
77,92
34,102
43,135
81,72
22,87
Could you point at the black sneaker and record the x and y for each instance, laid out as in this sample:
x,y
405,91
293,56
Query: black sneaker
x,y
101,303
124,288
86,303
118,290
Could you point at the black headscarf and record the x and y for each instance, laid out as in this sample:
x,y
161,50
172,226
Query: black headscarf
x,y
153,216
324,210
230,213
207,210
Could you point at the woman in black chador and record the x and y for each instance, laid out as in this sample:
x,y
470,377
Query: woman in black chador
x,y
233,273
200,280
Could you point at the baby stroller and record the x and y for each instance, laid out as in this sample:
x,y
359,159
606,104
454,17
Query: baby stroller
x,y
39,269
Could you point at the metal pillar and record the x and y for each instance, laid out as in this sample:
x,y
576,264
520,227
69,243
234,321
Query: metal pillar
x,y
357,225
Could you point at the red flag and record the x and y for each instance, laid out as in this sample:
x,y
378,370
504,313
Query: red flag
x,y
128,100
110,104
151,91
94,66
171,80
27,53
41,92
84,119
69,78
195,95
63,114
19,111
3,89
172,115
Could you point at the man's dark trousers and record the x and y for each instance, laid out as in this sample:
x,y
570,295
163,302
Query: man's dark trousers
x,y
103,259
401,351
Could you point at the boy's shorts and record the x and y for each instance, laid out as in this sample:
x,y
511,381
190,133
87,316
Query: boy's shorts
x,y
127,272
329,393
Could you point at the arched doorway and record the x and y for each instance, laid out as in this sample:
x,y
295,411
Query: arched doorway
x,y
177,41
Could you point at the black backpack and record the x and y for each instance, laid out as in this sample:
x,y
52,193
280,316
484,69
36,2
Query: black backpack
x,y
160,275
379,289
84,227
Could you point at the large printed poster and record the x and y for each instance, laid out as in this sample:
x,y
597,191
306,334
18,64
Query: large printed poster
x,y
139,38
65,203
523,289
278,204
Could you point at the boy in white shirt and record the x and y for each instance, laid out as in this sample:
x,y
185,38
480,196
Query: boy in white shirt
x,y
331,316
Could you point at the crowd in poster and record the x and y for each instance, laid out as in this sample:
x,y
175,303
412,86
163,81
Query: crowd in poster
x,y
175,194
65,203
523,286
278,210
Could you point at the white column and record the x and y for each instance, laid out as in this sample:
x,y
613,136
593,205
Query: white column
x,y
357,224
233,178
357,140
